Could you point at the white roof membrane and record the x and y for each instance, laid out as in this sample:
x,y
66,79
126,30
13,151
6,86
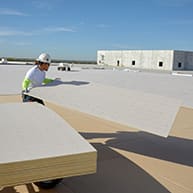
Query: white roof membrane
x,y
148,112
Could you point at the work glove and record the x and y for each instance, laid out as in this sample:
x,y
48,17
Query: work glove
x,y
25,91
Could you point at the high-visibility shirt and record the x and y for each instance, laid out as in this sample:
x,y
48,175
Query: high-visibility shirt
x,y
34,77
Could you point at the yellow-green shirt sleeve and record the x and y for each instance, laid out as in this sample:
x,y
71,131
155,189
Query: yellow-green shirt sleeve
x,y
47,80
25,83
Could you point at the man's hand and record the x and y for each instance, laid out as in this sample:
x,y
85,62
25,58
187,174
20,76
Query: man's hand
x,y
25,91
57,79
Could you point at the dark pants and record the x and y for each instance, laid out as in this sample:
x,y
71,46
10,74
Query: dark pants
x,y
28,98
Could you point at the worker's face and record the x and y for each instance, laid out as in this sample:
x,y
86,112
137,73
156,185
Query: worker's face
x,y
44,66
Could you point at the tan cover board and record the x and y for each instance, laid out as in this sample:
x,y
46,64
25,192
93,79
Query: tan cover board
x,y
37,144
144,111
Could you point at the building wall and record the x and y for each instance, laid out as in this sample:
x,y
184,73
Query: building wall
x,y
139,59
189,61
147,59
183,59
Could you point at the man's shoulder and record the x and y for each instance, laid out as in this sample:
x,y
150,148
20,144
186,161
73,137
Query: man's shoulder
x,y
32,70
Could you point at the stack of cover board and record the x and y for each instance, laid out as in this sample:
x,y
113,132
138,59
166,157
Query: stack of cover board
x,y
144,111
36,144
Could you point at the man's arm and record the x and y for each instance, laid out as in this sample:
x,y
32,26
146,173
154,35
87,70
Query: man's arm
x,y
25,84
47,80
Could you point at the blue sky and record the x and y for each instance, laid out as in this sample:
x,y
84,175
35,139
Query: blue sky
x,y
76,29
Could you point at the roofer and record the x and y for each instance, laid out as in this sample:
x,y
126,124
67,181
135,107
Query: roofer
x,y
36,76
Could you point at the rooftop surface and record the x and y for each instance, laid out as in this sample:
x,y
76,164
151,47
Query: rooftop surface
x,y
129,160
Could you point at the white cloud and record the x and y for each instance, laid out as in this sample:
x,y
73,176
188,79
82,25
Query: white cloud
x,y
11,12
5,32
59,29
12,32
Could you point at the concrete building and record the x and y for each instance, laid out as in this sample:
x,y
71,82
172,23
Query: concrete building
x,y
147,59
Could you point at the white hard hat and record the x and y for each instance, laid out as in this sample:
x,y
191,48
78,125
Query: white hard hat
x,y
45,58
